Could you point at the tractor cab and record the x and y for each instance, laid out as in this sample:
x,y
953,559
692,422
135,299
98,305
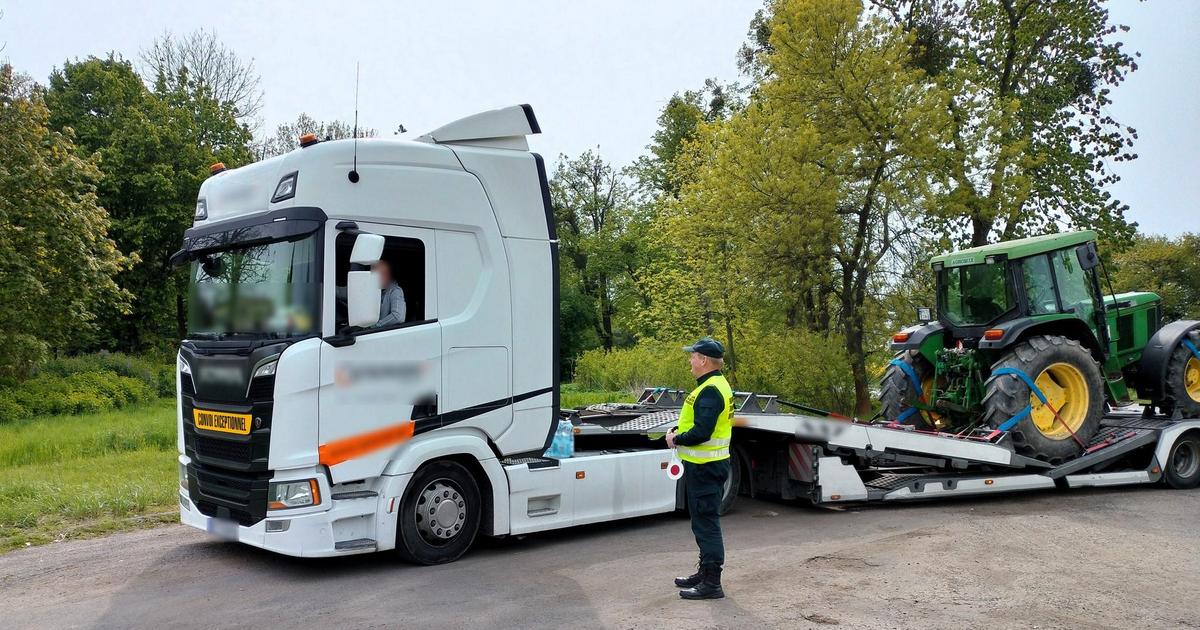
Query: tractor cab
x,y
984,292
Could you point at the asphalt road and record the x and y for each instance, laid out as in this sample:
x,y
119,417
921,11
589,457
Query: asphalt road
x,y
1081,559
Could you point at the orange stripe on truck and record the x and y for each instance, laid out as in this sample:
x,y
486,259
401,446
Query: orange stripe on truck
x,y
338,451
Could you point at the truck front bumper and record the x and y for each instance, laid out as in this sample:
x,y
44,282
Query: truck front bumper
x,y
338,531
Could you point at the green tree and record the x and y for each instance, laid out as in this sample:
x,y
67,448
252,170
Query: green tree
x,y
678,123
1169,267
154,149
1029,85
598,215
57,263
791,212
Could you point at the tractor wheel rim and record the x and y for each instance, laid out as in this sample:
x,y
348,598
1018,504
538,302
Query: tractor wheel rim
x,y
1066,390
1191,379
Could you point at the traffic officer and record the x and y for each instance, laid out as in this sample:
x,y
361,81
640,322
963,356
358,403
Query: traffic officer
x,y
702,441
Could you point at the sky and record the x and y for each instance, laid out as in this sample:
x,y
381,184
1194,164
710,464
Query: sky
x,y
597,74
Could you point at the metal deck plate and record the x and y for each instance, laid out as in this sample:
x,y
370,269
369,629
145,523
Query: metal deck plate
x,y
893,481
642,424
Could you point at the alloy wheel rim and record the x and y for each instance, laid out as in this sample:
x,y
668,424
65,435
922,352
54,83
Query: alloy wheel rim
x,y
441,511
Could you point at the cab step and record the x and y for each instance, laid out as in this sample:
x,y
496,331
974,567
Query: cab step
x,y
357,544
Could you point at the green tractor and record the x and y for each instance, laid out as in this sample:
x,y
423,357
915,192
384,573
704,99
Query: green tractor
x,y
1026,342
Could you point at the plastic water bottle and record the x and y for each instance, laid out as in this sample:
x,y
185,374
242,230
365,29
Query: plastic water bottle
x,y
563,444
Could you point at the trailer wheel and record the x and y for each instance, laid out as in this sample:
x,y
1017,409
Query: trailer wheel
x,y
439,515
1183,464
1182,388
733,484
1069,377
896,391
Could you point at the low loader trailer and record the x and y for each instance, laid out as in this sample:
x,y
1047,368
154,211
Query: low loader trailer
x,y
310,424
829,459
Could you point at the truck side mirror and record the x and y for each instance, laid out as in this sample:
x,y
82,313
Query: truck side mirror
x,y
362,288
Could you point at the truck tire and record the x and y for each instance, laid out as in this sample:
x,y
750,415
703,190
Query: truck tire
x,y
1069,377
1183,463
733,484
439,514
1181,391
896,391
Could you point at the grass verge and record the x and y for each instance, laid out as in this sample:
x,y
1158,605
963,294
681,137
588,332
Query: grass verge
x,y
64,477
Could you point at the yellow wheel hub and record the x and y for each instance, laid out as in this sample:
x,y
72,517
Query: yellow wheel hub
x,y
1066,390
1191,378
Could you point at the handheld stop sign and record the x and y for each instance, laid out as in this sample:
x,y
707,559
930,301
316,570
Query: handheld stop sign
x,y
675,466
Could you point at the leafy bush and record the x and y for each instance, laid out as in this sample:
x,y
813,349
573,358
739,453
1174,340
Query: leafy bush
x,y
86,384
798,366
631,369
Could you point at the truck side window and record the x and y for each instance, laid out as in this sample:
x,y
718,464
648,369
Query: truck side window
x,y
405,257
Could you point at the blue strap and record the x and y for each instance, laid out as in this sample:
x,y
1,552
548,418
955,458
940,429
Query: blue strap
x,y
916,381
1012,422
1024,377
912,374
1191,346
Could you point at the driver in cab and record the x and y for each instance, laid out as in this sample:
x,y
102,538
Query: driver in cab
x,y
392,308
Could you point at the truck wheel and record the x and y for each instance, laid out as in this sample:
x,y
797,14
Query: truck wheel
x,y
1182,387
1183,464
1069,377
733,484
439,515
896,391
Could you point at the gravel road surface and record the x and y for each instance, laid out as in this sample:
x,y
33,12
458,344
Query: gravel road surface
x,y
1081,559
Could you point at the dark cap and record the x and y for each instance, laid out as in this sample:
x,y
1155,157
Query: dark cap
x,y
707,346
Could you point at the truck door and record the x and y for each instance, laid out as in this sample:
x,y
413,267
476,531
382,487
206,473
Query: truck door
x,y
376,380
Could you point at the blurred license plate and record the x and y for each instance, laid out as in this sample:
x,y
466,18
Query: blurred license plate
x,y
223,528
238,423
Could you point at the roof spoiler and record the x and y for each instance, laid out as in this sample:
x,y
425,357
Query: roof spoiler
x,y
503,128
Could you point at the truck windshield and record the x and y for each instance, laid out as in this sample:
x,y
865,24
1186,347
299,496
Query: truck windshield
x,y
261,290
974,295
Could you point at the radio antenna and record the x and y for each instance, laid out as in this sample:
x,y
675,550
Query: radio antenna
x,y
353,176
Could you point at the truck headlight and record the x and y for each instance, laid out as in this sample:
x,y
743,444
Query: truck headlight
x,y
266,369
183,484
285,495
184,368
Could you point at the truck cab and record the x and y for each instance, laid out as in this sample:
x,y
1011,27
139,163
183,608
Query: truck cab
x,y
293,400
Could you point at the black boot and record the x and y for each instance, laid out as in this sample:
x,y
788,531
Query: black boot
x,y
709,586
691,580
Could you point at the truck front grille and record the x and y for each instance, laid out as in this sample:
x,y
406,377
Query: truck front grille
x,y
226,494
215,448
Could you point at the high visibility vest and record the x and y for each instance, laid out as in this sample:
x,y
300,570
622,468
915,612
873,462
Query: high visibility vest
x,y
717,446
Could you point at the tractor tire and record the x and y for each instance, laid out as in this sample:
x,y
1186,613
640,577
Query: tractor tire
x,y
896,391
1069,377
1181,391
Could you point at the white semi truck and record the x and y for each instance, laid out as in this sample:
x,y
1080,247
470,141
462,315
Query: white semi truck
x,y
306,428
